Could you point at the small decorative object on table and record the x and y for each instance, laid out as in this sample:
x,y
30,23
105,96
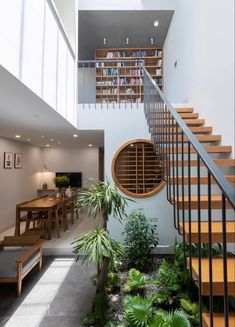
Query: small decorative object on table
x,y
44,186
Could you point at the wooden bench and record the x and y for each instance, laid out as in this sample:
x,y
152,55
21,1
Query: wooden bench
x,y
18,256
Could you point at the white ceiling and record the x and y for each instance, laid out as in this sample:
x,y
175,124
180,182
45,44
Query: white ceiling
x,y
23,113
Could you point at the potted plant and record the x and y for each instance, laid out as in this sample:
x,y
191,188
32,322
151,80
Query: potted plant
x,y
102,198
61,181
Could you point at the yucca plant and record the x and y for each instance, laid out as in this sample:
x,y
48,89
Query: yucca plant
x,y
102,198
136,282
98,247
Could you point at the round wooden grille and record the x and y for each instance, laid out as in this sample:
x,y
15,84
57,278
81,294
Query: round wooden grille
x,y
136,169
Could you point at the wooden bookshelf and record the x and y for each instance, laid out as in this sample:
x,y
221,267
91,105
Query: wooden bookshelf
x,y
123,82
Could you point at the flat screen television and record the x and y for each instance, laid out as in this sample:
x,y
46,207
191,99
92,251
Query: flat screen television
x,y
74,177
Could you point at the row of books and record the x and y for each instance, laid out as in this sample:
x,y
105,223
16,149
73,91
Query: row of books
x,y
159,72
115,72
121,81
114,91
133,54
158,81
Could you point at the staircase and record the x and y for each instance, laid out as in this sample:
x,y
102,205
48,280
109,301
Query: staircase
x,y
200,179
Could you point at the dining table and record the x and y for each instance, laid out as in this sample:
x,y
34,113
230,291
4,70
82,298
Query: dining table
x,y
45,204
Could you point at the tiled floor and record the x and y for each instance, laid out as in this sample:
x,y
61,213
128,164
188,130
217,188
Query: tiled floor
x,y
59,296
62,246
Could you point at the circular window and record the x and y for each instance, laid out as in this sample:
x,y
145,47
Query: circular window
x,y
136,169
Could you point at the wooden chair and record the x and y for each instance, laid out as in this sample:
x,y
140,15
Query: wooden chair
x,y
70,207
18,256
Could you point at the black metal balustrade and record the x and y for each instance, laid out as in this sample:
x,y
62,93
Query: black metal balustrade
x,y
176,147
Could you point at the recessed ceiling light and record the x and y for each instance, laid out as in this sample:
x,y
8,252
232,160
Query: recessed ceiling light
x,y
104,40
42,135
28,140
51,139
59,142
156,23
90,145
17,136
132,145
127,40
75,135
47,145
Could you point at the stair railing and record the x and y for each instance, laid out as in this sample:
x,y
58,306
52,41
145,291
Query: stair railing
x,y
175,147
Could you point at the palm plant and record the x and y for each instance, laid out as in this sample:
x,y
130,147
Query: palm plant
x,y
176,318
104,198
137,281
98,247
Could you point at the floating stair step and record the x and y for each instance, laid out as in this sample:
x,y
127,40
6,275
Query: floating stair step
x,y
209,149
218,320
194,129
203,180
217,275
183,110
200,138
216,202
183,115
152,121
219,162
216,227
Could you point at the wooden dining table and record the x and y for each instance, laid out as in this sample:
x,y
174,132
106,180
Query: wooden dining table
x,y
45,204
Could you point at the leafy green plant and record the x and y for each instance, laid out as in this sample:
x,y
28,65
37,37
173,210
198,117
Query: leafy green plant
x,y
176,318
192,311
102,198
114,280
98,247
172,278
136,282
138,311
140,238
112,324
61,181
89,319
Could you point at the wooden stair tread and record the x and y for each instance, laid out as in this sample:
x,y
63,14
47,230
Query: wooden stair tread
x,y
183,110
217,275
209,149
216,227
218,320
203,180
200,138
218,162
194,129
216,202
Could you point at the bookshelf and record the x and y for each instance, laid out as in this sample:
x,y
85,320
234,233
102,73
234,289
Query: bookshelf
x,y
123,81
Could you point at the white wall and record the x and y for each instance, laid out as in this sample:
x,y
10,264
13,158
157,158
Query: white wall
x,y
33,49
85,160
126,5
17,185
201,38
120,126
67,13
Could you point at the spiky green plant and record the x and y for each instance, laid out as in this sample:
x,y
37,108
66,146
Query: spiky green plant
x,y
102,198
98,247
136,282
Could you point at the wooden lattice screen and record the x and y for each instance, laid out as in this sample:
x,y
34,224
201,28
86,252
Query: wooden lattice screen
x,y
136,169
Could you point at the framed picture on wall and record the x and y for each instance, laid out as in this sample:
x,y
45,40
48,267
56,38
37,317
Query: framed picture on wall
x,y
8,160
18,160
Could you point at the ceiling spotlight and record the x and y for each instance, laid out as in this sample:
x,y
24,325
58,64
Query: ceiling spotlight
x,y
127,40
47,145
42,135
28,140
104,40
17,136
59,142
156,23
131,145
151,40
51,139
90,145
75,135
